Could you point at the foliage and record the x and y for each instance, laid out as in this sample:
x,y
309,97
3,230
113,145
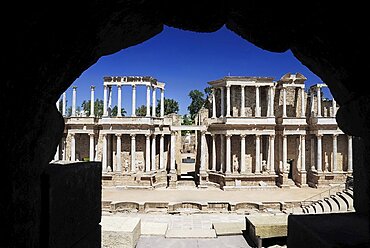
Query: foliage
x,y
197,102
115,111
141,111
170,106
98,107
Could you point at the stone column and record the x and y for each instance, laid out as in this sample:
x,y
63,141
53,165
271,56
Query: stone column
x,y
312,159
258,108
173,151
105,103
334,107
147,152
335,153
258,153
92,101
73,147
119,163
64,103
303,112
92,146
312,100
303,153
57,105
133,152
242,101
272,114
147,101
56,156
350,160
161,152
105,153
242,154
203,151
162,103
285,151
228,153
213,152
222,102
319,153
213,103
63,148
222,155
272,153
284,102
133,107
110,99
119,100
318,101
154,142
74,100
154,99
228,102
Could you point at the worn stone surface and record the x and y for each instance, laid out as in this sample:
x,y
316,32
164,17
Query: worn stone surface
x,y
267,226
153,229
228,228
190,233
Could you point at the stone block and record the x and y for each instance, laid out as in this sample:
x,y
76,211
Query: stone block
x,y
153,229
120,232
190,233
228,228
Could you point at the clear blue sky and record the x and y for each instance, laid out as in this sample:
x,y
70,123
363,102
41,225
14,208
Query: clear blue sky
x,y
185,61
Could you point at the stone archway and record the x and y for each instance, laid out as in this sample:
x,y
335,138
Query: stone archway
x,y
47,48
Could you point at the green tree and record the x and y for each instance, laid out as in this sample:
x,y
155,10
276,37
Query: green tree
x,y
197,102
186,121
98,107
208,93
170,106
115,111
141,111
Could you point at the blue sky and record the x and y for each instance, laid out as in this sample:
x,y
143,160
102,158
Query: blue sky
x,y
185,61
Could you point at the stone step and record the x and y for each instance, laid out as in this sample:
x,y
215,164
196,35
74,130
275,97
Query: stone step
x,y
190,233
228,228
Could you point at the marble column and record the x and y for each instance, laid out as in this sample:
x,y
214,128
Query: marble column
x,y
213,103
161,152
272,153
312,100
284,102
258,154
222,155
203,151
319,101
303,153
119,163
105,101
119,100
173,151
154,143
133,152
74,100
213,152
335,153
57,104
92,101
242,101
228,153
105,153
350,159
147,101
56,156
258,107
73,147
312,159
222,102
64,103
92,146
64,149
319,152
147,152
154,101
272,114
334,108
162,103
228,102
285,152
303,112
242,154
133,107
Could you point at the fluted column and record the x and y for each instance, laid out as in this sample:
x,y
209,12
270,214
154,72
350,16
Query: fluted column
x,y
303,151
284,102
91,150
312,101
242,101
64,103
161,152
74,99
319,152
73,147
154,99
334,108
162,103
242,154
222,155
222,102
154,167
335,153
133,107
318,101
303,112
228,153
203,151
147,152
92,100
213,103
350,159
258,108
285,151
213,152
105,101
228,102
105,153
119,163
147,101
133,152
119,100
272,153
258,154
173,150
272,114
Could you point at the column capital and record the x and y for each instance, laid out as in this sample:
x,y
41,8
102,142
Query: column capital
x,y
72,134
272,136
91,134
154,135
118,135
213,135
173,132
335,135
105,86
92,87
228,136
257,86
258,135
319,135
147,135
119,86
133,86
162,135
227,86
104,135
133,135
243,136
74,87
203,132
303,136
242,86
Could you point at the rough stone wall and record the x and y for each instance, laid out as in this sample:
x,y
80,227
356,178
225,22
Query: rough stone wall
x,y
250,151
82,142
235,153
235,100
293,154
293,102
250,101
